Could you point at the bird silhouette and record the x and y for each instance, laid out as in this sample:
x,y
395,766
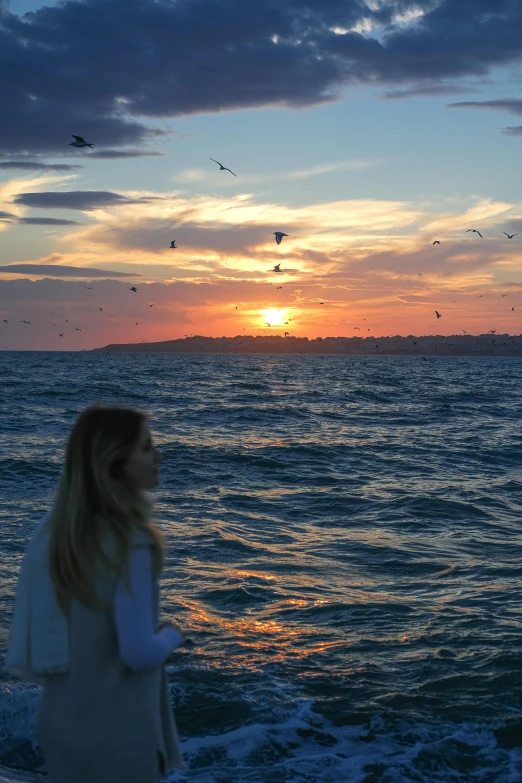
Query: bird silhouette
x,y
423,359
279,236
511,311
437,314
137,322
356,327
436,242
173,243
25,322
5,320
80,142
475,231
276,268
88,287
267,323
492,331
60,335
286,333
222,168
133,289
101,311
510,236
152,305
76,329
420,274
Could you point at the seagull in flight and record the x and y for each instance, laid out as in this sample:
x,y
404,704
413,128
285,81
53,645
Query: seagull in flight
x,y
221,167
492,331
279,235
60,335
279,286
152,305
287,333
76,329
276,268
133,289
5,320
438,314
173,243
503,295
267,323
475,231
137,322
88,287
436,242
101,311
511,311
80,142
510,236
25,322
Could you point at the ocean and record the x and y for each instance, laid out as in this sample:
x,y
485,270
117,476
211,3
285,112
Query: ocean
x,y
344,554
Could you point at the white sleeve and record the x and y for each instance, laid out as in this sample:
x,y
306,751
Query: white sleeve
x,y
140,647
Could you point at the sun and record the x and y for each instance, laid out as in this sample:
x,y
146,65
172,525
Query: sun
x,y
273,317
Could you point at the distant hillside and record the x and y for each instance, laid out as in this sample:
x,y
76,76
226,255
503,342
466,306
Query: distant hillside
x,y
432,345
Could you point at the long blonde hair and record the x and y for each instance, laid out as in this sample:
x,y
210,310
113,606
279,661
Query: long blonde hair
x,y
95,498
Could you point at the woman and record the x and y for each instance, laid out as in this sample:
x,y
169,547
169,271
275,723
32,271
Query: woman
x,y
106,717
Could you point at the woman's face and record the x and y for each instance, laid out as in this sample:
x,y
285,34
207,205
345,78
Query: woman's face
x,y
142,466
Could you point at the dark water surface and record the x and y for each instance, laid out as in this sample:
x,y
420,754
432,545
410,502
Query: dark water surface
x,y
345,553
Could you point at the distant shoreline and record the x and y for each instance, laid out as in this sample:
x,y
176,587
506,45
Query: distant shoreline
x,y
454,345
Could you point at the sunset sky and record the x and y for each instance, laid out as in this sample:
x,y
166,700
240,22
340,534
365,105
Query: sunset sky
x,y
363,130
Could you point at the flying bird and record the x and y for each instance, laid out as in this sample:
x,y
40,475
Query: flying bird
x,y
475,231
101,311
133,289
437,314
222,168
504,295
420,274
76,329
510,236
137,322
88,287
152,305
60,335
492,331
5,320
25,322
356,327
287,333
276,268
267,323
279,235
511,311
80,142
173,243
436,242
279,286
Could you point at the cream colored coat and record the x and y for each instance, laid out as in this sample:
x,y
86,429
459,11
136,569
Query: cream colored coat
x,y
102,722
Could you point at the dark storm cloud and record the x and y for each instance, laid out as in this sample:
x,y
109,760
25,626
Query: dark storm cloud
x,y
32,165
41,221
97,68
7,216
75,199
55,270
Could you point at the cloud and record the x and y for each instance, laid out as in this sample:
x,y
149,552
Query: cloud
x,y
55,270
197,175
125,154
7,216
152,59
75,199
41,221
424,91
513,130
32,165
511,105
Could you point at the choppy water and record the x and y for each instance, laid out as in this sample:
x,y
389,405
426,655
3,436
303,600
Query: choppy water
x,y
345,552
